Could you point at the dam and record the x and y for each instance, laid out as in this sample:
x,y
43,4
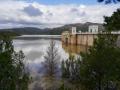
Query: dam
x,y
76,37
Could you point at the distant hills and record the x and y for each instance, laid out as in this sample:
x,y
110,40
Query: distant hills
x,y
48,31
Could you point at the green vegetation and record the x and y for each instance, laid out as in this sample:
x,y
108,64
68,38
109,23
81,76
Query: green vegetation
x,y
9,34
99,68
71,69
112,23
13,74
109,1
51,60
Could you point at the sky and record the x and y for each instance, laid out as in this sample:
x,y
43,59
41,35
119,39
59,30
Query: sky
x,y
52,13
54,2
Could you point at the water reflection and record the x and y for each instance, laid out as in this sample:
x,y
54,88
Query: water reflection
x,y
34,51
74,49
50,83
46,83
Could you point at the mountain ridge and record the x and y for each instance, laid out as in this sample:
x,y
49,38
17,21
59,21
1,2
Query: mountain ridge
x,y
51,31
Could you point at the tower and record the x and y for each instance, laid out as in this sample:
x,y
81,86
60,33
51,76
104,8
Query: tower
x,y
74,30
93,29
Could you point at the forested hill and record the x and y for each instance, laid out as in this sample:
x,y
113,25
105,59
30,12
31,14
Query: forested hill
x,y
53,31
26,30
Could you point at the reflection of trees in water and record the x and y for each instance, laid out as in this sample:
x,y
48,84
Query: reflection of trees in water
x,y
46,83
37,86
49,80
50,83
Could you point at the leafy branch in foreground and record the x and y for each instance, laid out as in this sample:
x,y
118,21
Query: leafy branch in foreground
x,y
109,1
112,23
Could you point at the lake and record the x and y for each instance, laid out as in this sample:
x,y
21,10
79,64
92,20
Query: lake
x,y
34,47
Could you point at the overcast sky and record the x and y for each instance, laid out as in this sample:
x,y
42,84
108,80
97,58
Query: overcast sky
x,y
52,13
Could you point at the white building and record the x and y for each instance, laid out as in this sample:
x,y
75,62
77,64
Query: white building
x,y
74,30
93,29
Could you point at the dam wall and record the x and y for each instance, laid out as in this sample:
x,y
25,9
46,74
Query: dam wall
x,y
85,39
79,39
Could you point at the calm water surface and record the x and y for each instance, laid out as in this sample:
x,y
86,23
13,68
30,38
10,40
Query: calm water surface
x,y
34,48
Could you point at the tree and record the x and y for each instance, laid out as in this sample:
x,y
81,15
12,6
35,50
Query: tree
x,y
70,69
51,59
112,22
100,68
71,73
13,75
109,1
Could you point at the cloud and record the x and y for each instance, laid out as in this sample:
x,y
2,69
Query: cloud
x,y
32,11
78,12
22,13
74,10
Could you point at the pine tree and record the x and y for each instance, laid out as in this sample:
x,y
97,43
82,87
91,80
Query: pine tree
x,y
51,59
13,75
101,64
112,22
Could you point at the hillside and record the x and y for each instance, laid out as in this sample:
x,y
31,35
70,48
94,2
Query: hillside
x,y
80,26
55,31
26,30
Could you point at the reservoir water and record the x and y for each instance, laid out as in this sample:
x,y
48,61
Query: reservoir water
x,y
34,47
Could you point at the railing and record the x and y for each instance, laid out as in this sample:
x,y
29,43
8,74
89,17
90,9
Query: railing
x,y
99,32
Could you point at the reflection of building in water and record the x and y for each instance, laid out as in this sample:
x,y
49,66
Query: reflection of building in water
x,y
74,49
76,37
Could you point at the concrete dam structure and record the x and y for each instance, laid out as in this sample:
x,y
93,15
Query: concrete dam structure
x,y
79,39
75,37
